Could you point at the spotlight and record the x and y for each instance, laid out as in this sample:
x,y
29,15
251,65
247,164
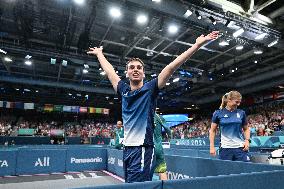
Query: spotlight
x,y
28,62
260,36
52,60
212,20
86,66
239,47
115,12
224,43
28,57
7,59
2,51
227,23
257,51
188,13
273,43
197,15
141,19
173,29
64,62
238,32
79,2
176,79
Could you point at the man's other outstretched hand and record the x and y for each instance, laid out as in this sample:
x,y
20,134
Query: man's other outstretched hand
x,y
203,39
95,50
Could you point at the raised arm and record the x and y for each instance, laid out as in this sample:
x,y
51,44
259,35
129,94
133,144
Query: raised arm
x,y
167,72
106,66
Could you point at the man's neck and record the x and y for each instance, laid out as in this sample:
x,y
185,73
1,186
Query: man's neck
x,y
135,85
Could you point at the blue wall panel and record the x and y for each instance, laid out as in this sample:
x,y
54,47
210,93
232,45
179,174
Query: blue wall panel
x,y
264,180
115,162
8,162
86,159
33,161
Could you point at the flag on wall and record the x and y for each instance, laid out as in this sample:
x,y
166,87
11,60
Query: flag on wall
x,y
105,111
92,110
48,107
58,108
99,110
29,106
83,109
66,108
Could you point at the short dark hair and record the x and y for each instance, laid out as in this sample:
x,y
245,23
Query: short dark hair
x,y
134,59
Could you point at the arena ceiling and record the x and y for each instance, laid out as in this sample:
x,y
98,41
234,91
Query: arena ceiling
x,y
57,33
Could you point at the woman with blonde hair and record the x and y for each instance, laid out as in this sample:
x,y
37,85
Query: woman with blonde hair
x,y
235,133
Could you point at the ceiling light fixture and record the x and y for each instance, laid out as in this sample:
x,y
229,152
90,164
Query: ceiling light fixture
x,y
141,19
28,62
260,36
197,15
7,59
28,57
188,13
238,32
239,47
79,2
2,51
212,20
258,51
173,29
273,43
176,79
224,43
115,12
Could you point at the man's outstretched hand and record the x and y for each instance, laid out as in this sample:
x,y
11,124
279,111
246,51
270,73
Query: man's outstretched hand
x,y
203,39
95,50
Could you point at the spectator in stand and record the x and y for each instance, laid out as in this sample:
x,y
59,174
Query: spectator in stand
x,y
119,135
282,125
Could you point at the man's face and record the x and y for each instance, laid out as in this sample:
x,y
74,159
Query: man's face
x,y
119,124
135,71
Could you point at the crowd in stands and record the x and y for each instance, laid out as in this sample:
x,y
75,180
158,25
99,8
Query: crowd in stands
x,y
263,121
267,121
191,129
100,127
